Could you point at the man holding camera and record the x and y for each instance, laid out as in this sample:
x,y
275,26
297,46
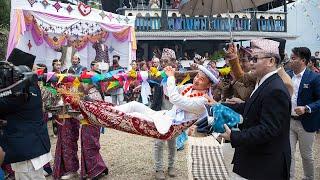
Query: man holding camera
x,y
25,139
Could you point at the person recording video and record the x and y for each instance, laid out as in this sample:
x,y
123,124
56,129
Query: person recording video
x,y
25,138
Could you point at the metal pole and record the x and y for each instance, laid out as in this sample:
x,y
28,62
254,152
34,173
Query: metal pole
x,y
230,28
286,13
164,16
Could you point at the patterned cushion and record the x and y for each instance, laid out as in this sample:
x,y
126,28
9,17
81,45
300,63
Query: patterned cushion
x,y
105,115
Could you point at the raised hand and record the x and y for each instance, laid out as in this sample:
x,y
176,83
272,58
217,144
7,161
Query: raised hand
x,y
169,71
232,52
193,66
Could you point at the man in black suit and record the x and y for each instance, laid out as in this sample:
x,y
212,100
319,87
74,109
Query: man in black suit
x,y
305,115
262,147
25,139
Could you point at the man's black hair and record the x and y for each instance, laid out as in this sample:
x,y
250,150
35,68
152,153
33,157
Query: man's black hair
x,y
303,53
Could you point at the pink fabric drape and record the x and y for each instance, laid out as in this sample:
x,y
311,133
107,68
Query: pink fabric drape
x,y
123,35
27,20
17,28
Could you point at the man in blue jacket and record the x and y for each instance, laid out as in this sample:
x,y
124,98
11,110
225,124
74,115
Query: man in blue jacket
x,y
305,115
25,139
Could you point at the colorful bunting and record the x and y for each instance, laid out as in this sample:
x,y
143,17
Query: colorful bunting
x,y
303,4
49,76
61,77
186,79
113,85
107,81
76,83
51,89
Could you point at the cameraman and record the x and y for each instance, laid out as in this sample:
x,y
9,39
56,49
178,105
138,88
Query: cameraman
x,y
26,139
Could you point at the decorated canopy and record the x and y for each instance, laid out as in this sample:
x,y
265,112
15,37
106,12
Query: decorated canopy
x,y
42,27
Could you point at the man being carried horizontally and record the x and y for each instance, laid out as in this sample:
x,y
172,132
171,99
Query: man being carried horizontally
x,y
188,106
188,101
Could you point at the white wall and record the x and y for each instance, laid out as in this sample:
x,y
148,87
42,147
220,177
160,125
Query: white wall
x,y
299,24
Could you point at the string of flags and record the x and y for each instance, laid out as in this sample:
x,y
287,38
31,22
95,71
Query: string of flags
x,y
112,79
83,9
107,81
303,4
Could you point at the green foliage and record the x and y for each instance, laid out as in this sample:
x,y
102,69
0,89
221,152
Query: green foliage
x,y
95,6
217,55
4,26
4,12
4,33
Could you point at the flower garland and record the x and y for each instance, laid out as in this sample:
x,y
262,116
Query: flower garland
x,y
185,91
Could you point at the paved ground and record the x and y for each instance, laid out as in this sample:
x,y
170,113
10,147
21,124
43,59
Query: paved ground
x,y
131,157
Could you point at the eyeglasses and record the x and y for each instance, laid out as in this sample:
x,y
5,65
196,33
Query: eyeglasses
x,y
293,58
255,59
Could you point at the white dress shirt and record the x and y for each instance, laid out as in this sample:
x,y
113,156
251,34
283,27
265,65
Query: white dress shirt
x,y
296,80
37,163
264,78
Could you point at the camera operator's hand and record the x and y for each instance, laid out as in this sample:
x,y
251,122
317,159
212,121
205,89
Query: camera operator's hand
x,y
2,154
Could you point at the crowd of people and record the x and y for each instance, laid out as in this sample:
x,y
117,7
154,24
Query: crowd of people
x,y
278,98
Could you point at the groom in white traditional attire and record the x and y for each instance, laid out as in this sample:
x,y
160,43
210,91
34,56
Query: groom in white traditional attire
x,y
188,103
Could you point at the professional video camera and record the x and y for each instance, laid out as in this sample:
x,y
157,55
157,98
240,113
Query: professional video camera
x,y
15,74
15,80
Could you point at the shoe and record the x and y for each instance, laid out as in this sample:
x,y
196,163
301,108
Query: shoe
x,y
104,173
171,172
70,175
160,175
181,148
47,171
10,176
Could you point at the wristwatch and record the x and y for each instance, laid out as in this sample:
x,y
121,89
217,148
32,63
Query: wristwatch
x,y
307,109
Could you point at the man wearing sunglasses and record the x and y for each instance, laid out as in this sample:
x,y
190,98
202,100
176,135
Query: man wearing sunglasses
x,y
247,79
262,147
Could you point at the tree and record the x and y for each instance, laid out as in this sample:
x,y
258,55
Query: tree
x,y
4,26
4,12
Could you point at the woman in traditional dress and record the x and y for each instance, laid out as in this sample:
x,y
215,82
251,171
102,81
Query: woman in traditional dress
x,y
66,162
